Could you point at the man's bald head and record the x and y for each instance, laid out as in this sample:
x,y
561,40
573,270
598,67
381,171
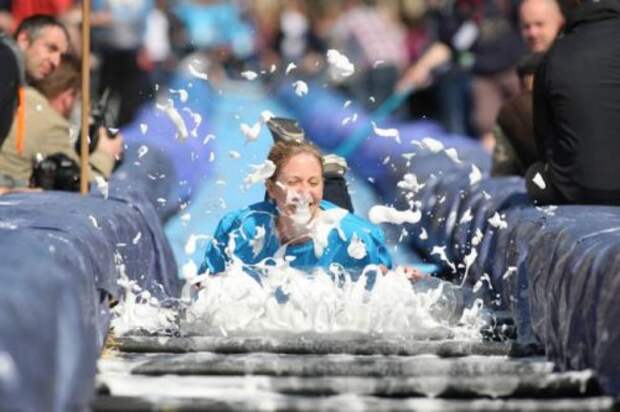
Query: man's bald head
x,y
541,21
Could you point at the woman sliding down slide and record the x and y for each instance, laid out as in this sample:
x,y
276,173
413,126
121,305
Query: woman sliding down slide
x,y
296,225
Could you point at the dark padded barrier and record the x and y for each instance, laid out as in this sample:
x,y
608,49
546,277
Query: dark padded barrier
x,y
59,268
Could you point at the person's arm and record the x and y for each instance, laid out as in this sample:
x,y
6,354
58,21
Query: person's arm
x,y
108,151
419,74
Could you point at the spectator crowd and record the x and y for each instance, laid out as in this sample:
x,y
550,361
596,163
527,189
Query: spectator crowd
x,y
537,82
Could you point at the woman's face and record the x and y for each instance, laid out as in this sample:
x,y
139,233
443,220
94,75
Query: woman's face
x,y
298,188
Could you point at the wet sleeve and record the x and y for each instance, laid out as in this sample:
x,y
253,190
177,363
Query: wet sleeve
x,y
378,253
215,256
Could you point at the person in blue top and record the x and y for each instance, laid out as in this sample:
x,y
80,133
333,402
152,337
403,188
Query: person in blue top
x,y
296,224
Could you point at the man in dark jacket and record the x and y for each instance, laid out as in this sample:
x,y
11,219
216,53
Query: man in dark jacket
x,y
577,110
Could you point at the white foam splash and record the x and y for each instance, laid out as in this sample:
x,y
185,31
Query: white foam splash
x,y
390,133
251,133
423,234
539,181
290,68
453,155
431,144
301,88
356,248
511,270
137,238
340,66
142,150
189,270
102,186
441,252
190,245
467,217
183,94
235,304
259,173
197,118
137,308
144,128
497,221
249,75
265,115
196,73
478,236
93,220
384,214
410,182
475,176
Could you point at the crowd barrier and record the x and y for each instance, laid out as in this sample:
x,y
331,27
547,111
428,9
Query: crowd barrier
x,y
61,256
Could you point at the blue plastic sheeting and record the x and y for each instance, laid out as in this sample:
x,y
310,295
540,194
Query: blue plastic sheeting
x,y
327,122
61,258
175,167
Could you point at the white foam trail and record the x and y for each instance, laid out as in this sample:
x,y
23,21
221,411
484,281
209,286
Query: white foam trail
x,y
137,238
144,128
511,270
301,88
93,221
235,155
477,237
390,133
384,214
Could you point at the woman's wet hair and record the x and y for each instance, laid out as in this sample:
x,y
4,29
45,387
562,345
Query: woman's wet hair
x,y
282,151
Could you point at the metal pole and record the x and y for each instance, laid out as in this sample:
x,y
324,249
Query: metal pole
x,y
84,169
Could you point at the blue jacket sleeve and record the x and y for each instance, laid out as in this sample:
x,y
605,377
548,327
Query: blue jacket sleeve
x,y
215,260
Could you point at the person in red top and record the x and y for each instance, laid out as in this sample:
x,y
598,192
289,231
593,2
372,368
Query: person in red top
x,y
25,8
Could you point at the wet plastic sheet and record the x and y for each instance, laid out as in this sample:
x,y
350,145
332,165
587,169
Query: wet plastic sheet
x,y
59,265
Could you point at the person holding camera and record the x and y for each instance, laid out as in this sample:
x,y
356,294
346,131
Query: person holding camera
x,y
48,106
